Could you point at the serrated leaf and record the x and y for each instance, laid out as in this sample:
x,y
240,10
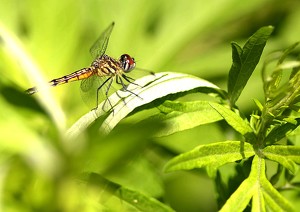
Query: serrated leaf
x,y
245,61
153,87
258,187
273,199
234,120
213,155
242,196
281,131
186,115
287,156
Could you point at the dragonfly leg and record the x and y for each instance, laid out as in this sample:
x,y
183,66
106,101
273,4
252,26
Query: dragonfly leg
x,y
120,82
130,80
99,88
106,94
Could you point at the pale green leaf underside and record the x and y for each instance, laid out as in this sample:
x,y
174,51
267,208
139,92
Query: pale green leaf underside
x,y
186,115
234,120
212,155
287,156
153,87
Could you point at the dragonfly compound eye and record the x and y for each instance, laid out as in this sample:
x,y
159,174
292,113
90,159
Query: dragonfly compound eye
x,y
127,62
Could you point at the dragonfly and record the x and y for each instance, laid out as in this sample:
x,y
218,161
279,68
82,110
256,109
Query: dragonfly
x,y
103,66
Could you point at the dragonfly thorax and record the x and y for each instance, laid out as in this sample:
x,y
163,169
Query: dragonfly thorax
x,y
106,66
127,62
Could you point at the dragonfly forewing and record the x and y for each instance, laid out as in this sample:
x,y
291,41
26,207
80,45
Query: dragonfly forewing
x,y
99,47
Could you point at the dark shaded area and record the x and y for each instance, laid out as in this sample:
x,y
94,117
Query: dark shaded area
x,y
226,189
21,99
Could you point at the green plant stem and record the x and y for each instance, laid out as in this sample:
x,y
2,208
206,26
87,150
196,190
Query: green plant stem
x,y
270,112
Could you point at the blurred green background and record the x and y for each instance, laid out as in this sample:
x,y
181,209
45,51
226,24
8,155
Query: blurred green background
x,y
39,169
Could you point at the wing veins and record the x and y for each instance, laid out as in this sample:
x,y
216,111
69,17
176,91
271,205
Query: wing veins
x,y
99,47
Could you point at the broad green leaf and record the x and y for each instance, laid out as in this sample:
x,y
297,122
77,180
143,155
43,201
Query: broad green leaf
x,y
245,61
129,198
285,155
237,52
153,87
179,116
234,71
257,187
212,155
234,120
105,152
142,202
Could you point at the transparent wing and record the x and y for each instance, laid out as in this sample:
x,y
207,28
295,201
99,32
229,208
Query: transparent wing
x,y
89,87
88,90
87,84
99,47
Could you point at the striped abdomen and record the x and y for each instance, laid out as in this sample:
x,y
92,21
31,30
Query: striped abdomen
x,y
102,66
75,76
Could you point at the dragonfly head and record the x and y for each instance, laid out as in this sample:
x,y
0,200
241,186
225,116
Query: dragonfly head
x,y
127,62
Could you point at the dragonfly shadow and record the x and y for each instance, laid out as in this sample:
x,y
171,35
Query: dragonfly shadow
x,y
134,89
20,99
106,87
